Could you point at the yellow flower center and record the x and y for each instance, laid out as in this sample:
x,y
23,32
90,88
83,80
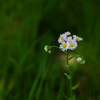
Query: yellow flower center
x,y
72,44
70,39
62,38
78,38
64,45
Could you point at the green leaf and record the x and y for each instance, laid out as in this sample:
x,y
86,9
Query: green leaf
x,y
76,86
66,97
71,57
73,97
67,75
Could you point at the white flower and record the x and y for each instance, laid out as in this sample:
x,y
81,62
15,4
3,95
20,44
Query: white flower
x,y
61,38
77,38
70,39
72,45
79,59
67,33
64,46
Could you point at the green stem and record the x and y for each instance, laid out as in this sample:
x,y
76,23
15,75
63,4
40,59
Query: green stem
x,y
54,47
74,53
70,85
70,78
58,48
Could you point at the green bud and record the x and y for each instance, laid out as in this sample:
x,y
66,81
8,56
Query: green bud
x,y
47,48
49,51
82,62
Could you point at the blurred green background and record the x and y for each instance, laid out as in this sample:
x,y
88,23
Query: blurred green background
x,y
27,72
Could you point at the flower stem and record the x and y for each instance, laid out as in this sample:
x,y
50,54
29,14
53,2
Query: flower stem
x,y
70,78
58,48
74,53
54,47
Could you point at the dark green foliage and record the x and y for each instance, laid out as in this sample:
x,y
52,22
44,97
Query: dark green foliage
x,y
27,72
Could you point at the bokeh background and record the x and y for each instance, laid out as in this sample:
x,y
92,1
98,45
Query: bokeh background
x,y
27,72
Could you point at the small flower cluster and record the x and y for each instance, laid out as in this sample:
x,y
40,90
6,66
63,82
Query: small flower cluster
x,y
68,42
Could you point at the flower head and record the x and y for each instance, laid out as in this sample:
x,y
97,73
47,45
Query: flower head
x,y
64,46
77,38
67,33
72,45
70,39
61,38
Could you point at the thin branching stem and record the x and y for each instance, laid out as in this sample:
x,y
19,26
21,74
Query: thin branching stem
x,y
58,48
70,77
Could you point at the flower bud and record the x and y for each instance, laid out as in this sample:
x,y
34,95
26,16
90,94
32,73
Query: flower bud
x,y
79,59
47,48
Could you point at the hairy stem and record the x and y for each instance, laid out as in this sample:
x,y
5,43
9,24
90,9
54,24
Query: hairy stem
x,y
70,78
